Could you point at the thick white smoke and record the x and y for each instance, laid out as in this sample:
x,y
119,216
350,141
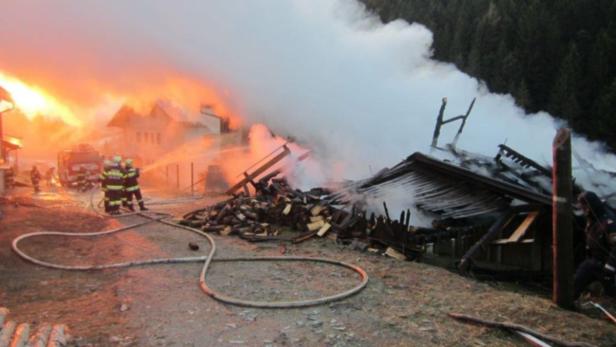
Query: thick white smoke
x,y
361,94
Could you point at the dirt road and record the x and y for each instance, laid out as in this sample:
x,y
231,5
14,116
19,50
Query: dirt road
x,y
404,304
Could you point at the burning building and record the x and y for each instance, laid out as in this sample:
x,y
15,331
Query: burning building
x,y
168,141
148,137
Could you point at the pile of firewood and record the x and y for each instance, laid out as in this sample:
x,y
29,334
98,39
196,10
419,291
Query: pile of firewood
x,y
275,205
260,217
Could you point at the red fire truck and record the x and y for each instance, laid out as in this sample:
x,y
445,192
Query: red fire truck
x,y
82,159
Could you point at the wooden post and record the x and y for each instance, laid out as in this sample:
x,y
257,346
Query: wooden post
x,y
192,178
167,173
439,123
177,175
497,226
562,220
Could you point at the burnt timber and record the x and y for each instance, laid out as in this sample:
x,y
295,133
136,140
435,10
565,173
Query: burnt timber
x,y
446,189
480,221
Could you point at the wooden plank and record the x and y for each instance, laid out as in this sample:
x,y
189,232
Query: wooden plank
x,y
305,236
316,219
287,209
395,254
324,229
520,231
259,170
315,226
316,210
502,220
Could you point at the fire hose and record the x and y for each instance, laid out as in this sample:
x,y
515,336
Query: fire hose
x,y
159,218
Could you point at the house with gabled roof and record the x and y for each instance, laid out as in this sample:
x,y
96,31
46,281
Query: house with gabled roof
x,y
150,136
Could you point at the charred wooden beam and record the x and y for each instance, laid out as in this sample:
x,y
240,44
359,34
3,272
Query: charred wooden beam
x,y
464,263
521,159
261,169
440,122
562,220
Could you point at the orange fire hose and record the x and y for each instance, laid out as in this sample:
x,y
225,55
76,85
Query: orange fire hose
x,y
158,217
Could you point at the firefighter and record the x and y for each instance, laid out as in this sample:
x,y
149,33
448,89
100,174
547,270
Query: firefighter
x,y
35,177
104,182
600,231
115,185
132,186
50,176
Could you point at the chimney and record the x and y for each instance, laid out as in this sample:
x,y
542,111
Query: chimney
x,y
207,110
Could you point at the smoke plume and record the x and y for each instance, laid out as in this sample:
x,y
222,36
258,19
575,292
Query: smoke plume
x,y
361,94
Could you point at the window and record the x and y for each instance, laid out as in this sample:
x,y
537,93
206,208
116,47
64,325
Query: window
x,y
138,136
146,137
158,138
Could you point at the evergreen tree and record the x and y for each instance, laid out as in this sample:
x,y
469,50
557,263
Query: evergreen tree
x,y
555,55
563,101
605,120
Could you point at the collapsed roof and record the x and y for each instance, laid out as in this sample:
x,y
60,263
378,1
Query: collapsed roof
x,y
444,189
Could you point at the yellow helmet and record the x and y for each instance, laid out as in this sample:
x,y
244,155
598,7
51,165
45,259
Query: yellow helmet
x,y
117,159
128,162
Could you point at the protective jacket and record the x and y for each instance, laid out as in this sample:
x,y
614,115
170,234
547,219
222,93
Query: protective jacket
x,y
113,179
600,231
131,177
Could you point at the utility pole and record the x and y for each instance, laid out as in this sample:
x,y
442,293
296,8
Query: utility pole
x,y
562,220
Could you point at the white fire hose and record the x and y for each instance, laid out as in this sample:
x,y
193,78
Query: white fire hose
x,y
159,218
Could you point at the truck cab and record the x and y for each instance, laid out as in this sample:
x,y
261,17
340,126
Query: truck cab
x,y
82,157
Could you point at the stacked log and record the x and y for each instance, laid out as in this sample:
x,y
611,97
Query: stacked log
x,y
261,217
276,206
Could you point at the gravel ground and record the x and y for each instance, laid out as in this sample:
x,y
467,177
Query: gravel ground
x,y
404,304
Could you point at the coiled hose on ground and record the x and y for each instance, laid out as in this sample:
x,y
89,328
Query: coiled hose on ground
x,y
159,218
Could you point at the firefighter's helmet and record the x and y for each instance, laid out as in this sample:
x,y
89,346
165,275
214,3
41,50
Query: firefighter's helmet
x,y
117,159
128,162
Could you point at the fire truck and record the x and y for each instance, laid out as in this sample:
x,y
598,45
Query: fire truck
x,y
82,159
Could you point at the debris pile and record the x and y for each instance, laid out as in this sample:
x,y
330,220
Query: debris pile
x,y
489,212
275,206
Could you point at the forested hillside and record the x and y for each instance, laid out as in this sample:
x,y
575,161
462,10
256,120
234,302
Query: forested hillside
x,y
552,55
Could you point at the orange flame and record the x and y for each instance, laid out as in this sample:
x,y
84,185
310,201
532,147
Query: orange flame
x,y
33,101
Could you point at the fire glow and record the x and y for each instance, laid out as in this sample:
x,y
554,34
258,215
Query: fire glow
x,y
33,101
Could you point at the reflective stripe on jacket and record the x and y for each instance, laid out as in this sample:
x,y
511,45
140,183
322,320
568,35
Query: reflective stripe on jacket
x,y
130,181
114,179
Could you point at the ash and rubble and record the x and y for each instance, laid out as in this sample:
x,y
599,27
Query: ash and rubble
x,y
461,197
